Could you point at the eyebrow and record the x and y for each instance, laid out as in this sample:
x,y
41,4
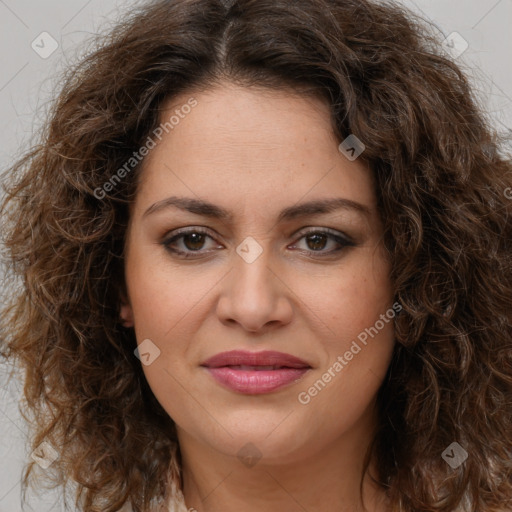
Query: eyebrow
x,y
206,209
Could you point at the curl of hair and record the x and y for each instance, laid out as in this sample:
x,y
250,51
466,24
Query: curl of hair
x,y
440,180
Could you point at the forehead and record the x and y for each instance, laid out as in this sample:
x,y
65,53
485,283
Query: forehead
x,y
239,142
232,117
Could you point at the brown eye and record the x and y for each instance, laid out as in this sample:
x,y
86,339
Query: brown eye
x,y
323,242
186,243
193,241
317,241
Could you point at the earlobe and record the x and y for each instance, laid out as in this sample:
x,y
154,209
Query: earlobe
x,y
126,313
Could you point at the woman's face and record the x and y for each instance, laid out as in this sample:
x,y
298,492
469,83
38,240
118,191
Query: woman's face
x,y
232,247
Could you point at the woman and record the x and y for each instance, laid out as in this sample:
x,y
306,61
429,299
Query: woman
x,y
264,251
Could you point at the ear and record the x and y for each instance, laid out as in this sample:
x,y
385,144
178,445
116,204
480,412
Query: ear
x,y
126,313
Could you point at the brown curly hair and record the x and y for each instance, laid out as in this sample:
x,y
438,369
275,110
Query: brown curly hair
x,y
441,179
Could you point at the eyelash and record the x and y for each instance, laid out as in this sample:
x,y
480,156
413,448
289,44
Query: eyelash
x,y
340,239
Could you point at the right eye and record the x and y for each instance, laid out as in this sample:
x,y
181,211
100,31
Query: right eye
x,y
189,241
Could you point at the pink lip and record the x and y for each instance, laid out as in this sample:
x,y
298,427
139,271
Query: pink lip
x,y
254,381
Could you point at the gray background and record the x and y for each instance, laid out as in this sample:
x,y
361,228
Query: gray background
x,y
27,83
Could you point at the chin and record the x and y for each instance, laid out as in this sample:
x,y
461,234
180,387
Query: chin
x,y
270,445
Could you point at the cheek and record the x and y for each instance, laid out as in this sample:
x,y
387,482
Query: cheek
x,y
166,308
164,297
350,299
360,321
343,389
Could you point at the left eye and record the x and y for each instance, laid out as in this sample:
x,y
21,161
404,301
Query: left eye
x,y
316,241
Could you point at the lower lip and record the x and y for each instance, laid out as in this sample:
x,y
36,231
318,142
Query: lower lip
x,y
256,382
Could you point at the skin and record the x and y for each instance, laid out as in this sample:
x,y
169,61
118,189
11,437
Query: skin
x,y
255,152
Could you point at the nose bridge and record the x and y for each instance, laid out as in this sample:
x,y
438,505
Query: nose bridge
x,y
252,296
251,274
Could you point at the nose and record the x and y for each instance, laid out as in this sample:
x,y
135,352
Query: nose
x,y
254,296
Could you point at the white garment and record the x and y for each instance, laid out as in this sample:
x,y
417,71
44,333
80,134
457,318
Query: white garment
x,y
175,503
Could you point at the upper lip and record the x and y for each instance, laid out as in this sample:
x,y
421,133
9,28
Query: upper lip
x,y
266,358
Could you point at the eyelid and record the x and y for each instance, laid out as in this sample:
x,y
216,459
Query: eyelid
x,y
189,229
343,240
314,229
177,233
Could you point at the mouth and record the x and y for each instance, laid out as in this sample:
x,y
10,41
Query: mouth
x,y
245,367
255,373
267,360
